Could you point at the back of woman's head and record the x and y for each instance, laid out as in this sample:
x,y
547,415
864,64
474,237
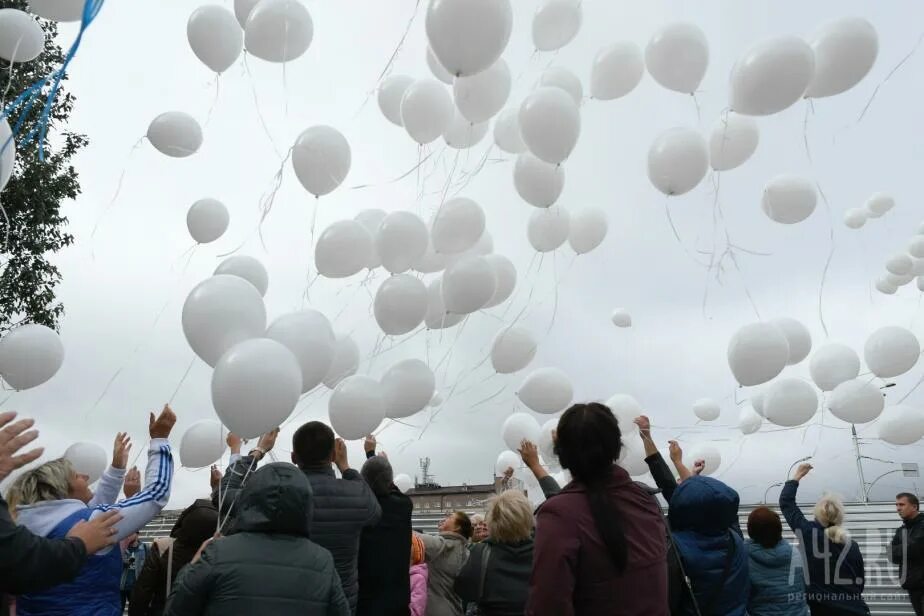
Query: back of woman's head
x,y
765,527
829,512
50,481
196,523
588,442
510,517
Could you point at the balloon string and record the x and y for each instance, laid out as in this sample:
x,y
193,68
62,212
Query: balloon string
x,y
118,189
824,273
183,379
889,76
256,104
208,118
416,167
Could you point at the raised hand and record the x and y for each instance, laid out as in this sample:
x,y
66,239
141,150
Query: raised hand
x,y
234,442
98,533
268,440
369,444
120,450
802,471
214,476
13,438
699,466
676,452
340,455
132,482
161,426
644,425
529,453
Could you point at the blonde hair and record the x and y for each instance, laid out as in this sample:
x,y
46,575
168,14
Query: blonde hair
x,y
829,512
510,517
50,481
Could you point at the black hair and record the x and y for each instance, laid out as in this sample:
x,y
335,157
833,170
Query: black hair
x,y
378,474
588,442
911,498
313,443
466,529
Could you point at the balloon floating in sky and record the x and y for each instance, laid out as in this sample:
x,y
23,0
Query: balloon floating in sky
x,y
556,23
749,421
757,353
677,161
391,91
845,51
401,240
219,313
403,482
8,155
87,459
857,401
546,390
560,77
878,205
798,337
550,123
400,304
832,364
309,336
507,459
481,96
507,134
176,134
548,228
345,248
408,387
707,453
707,409
207,220
426,110
248,268
21,37
356,407
513,349
621,318
30,355
203,443
855,218
517,427
505,275
539,183
626,409
771,76
215,37
790,402
587,230
891,351
789,199
616,71
321,158
468,36
677,57
901,425
278,30
733,141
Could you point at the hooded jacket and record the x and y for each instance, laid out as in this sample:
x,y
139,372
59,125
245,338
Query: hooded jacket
x,y
835,571
267,565
445,554
573,572
907,551
777,580
702,513
419,590
505,577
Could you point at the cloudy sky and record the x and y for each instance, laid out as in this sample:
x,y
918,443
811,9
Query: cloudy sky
x,y
124,285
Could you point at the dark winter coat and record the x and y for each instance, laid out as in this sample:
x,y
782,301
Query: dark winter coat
x,y
835,578
496,577
573,572
702,511
384,559
907,551
267,565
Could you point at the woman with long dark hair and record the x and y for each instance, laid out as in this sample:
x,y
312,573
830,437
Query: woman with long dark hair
x,y
600,543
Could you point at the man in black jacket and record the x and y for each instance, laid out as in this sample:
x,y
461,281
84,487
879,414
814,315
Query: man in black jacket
x,y
907,549
29,563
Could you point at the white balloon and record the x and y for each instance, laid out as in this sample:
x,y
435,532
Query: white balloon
x,y
207,220
507,459
479,97
30,355
517,427
790,402
899,280
677,57
308,334
407,387
899,265
430,262
798,338
242,9
626,409
343,249
707,409
468,285
245,267
219,313
483,247
621,318
321,158
401,240
356,407
203,443
789,199
278,30
255,387
918,269
749,421
556,23
550,123
513,349
468,36
733,141
345,363
507,135
772,76
462,134
878,204
400,304
506,275
845,51
587,230
757,353
546,443
548,228
403,482
175,134
757,402
901,425
539,183
391,91
87,459
560,77
617,70
437,316
426,110
915,247
58,10
886,286
371,220
436,400
856,401
632,455
891,351
854,218
438,70
7,153
21,37
709,454
215,37
832,364
677,161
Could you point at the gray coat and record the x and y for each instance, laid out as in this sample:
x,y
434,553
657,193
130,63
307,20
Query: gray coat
x,y
445,554
267,565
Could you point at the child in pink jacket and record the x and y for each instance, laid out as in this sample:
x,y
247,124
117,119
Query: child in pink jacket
x,y
419,577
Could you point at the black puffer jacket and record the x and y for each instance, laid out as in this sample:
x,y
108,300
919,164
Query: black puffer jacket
x,y
496,577
268,565
907,551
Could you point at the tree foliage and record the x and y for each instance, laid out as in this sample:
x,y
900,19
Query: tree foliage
x,y
33,226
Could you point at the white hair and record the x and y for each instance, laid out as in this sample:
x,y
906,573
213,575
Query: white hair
x,y
829,512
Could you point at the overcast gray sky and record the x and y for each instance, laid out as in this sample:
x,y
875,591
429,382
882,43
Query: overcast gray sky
x,y
135,63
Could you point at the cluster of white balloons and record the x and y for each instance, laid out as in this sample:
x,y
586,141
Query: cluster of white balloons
x,y
877,206
904,267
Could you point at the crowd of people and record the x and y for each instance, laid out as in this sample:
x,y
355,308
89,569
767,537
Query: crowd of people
x,y
294,538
